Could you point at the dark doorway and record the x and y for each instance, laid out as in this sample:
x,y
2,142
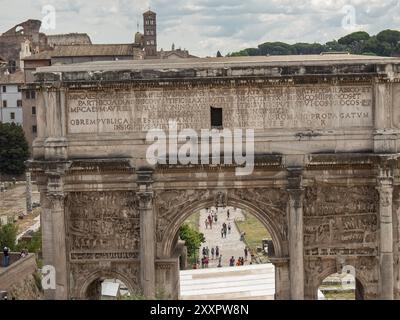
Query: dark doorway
x,y
216,118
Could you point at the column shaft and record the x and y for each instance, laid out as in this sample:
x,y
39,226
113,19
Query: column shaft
x,y
296,245
385,188
147,234
296,238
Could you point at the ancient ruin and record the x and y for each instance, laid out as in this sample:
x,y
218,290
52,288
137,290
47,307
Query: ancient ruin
x,y
325,180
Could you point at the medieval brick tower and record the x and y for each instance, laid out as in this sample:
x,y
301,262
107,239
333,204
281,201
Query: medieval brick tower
x,y
150,34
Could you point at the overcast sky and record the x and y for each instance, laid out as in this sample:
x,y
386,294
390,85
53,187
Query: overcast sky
x,y
205,26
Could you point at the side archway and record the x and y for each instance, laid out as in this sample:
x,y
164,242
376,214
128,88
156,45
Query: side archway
x,y
326,272
99,274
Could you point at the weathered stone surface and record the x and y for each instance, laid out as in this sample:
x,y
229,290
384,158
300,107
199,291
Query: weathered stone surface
x,y
294,107
326,134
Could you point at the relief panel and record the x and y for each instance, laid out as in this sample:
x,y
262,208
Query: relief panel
x,y
340,220
102,225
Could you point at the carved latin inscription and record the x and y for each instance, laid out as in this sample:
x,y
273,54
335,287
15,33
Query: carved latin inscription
x,y
315,107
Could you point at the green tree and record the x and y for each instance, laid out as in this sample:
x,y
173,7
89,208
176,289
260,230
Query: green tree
x,y
307,48
372,45
389,36
276,48
385,43
334,46
359,36
8,236
219,55
14,149
245,52
193,239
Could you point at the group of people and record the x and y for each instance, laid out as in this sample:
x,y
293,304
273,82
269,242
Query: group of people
x,y
215,254
6,256
225,229
240,261
211,218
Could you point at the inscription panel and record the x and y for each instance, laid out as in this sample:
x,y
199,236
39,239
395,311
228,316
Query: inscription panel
x,y
315,107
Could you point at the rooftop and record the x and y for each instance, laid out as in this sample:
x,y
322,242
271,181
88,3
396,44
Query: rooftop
x,y
225,62
86,50
13,78
68,39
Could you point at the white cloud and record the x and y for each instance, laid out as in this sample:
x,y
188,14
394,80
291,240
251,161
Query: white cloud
x,y
206,26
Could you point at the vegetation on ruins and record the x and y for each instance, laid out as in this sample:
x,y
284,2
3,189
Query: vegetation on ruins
x,y
14,150
8,236
385,43
34,245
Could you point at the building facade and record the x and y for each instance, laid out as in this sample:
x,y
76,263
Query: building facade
x,y
11,98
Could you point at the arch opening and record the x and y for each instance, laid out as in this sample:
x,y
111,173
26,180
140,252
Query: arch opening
x,y
170,236
106,285
236,243
105,288
344,285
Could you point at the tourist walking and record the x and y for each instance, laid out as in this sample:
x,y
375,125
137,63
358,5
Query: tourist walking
x,y
217,251
220,261
212,253
232,262
204,252
222,232
206,223
229,228
246,253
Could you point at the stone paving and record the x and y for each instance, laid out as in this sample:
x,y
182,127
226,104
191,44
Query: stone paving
x,y
229,246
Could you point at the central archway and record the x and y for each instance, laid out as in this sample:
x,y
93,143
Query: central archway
x,y
275,228
268,205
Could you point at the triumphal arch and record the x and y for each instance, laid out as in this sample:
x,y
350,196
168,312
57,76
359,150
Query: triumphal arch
x,y
325,178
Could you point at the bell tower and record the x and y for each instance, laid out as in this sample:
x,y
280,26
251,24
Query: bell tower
x,y
150,34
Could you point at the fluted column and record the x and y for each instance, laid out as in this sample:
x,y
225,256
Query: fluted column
x,y
53,230
147,234
386,270
296,265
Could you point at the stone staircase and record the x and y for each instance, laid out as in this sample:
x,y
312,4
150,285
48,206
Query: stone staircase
x,y
253,282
